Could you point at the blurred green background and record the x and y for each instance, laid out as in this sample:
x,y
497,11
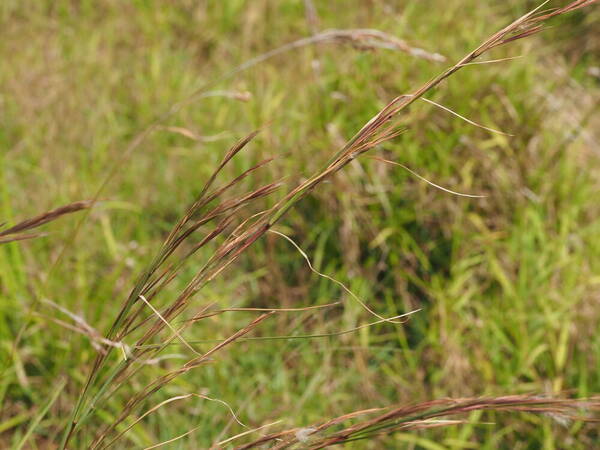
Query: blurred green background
x,y
508,285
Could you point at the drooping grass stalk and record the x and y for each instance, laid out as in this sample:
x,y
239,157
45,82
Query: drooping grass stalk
x,y
18,232
402,418
133,314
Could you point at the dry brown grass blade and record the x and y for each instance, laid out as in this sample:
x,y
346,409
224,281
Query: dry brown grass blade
x,y
20,237
44,218
366,39
369,39
201,200
421,415
224,207
219,191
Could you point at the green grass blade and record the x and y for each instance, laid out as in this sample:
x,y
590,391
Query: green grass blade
x,y
40,415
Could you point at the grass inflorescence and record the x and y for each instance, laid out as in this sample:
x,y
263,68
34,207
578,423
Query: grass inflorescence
x,y
227,223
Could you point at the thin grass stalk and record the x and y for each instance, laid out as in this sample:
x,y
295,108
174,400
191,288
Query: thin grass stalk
x,y
16,231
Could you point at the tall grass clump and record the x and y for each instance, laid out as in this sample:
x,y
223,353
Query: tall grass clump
x,y
216,230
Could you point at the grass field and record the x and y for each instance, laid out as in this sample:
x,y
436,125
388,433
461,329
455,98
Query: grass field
x,y
507,287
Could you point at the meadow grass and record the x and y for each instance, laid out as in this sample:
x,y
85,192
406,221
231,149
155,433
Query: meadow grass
x,y
507,285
